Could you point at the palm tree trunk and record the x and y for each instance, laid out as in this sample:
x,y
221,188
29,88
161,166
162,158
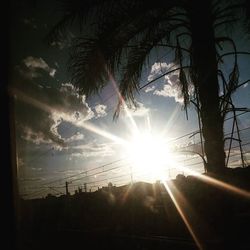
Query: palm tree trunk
x,y
204,74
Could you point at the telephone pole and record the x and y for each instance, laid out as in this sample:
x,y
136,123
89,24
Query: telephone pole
x,y
67,189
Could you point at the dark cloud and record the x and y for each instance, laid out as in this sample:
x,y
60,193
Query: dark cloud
x,y
41,109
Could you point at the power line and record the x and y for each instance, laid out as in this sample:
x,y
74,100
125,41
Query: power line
x,y
174,139
101,172
148,83
83,172
117,167
71,125
45,185
124,175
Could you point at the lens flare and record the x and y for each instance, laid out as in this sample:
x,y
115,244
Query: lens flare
x,y
150,153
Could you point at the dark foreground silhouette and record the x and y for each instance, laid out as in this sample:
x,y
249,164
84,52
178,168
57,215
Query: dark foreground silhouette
x,y
141,216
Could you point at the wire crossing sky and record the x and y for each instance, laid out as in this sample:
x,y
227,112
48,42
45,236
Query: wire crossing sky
x,y
61,135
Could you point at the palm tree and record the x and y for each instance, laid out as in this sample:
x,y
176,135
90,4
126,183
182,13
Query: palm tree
x,y
117,37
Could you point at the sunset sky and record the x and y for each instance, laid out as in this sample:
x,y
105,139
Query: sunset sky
x,y
61,133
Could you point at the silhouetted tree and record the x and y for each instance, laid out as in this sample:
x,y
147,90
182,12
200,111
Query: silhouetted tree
x,y
123,34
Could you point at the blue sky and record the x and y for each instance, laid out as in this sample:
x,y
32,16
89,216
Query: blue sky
x,y
52,139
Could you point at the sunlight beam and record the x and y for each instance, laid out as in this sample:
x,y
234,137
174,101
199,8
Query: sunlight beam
x,y
181,212
171,120
34,102
218,183
92,128
83,124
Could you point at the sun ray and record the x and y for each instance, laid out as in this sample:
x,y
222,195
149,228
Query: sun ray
x,y
28,99
217,183
83,124
170,121
126,194
148,123
92,128
181,210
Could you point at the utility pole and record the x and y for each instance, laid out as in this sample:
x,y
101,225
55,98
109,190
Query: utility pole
x,y
85,187
67,189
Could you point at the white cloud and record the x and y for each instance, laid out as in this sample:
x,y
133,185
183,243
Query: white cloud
x,y
170,90
74,118
92,149
100,110
68,87
54,127
34,137
140,110
149,89
157,69
172,86
52,72
137,109
32,64
76,137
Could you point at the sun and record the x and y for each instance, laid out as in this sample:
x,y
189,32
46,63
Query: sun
x,y
150,155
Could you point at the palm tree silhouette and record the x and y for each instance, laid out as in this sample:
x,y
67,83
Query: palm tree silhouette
x,y
123,36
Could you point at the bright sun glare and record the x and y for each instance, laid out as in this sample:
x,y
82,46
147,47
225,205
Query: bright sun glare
x,y
150,155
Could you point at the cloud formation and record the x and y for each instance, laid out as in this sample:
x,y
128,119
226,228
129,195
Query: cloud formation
x,y
158,68
46,114
149,89
172,85
41,110
100,110
97,150
90,149
32,67
136,109
140,110
74,138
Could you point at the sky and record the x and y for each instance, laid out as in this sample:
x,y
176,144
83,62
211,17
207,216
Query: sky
x,y
60,133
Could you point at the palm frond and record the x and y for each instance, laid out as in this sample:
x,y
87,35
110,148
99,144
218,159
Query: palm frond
x,y
233,78
60,28
246,13
229,13
92,58
184,85
137,58
184,88
87,67
78,12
